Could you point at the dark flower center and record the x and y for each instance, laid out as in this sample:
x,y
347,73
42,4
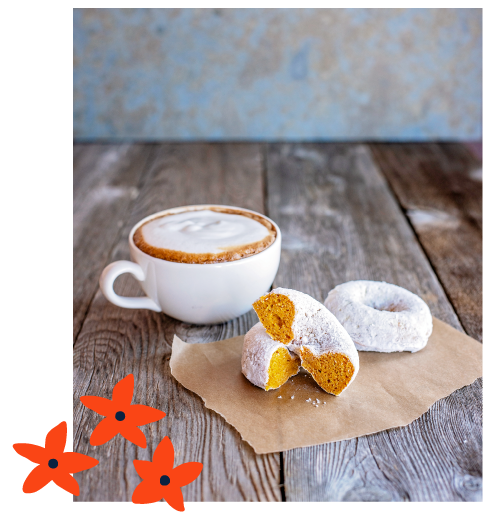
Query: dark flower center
x,y
164,480
120,415
53,463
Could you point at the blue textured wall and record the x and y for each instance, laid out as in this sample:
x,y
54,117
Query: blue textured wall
x,y
185,74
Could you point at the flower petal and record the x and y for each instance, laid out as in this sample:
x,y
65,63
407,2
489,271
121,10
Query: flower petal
x,y
33,453
104,432
101,405
147,492
67,482
133,434
123,391
56,439
37,479
186,473
73,462
173,496
164,455
141,415
144,468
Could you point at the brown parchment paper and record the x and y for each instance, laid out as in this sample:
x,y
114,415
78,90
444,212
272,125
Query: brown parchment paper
x,y
390,390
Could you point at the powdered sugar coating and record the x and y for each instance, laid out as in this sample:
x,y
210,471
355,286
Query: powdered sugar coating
x,y
380,316
257,352
317,329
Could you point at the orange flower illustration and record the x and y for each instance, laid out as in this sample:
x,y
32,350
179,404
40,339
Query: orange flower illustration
x,y
53,464
161,480
121,417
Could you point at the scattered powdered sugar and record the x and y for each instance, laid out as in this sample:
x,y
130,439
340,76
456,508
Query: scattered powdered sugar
x,y
380,316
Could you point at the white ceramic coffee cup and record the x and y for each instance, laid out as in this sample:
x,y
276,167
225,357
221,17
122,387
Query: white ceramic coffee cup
x,y
195,293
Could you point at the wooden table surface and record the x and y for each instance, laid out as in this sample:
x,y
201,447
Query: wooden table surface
x,y
408,214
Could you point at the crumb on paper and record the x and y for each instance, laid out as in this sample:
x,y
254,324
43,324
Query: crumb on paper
x,y
279,397
324,402
292,397
318,401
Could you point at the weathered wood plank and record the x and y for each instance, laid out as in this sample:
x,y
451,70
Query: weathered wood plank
x,y
91,161
114,342
77,153
440,188
106,180
340,222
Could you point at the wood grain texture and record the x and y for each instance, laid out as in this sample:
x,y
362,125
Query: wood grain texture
x,y
440,188
114,342
77,153
340,222
92,162
106,180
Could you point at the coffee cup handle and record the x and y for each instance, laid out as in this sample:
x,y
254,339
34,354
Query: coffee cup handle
x,y
111,272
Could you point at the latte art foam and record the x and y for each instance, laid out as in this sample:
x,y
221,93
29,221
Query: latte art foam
x,y
203,231
205,236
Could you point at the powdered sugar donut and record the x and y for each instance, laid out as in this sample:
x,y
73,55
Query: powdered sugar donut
x,y
381,317
310,331
266,362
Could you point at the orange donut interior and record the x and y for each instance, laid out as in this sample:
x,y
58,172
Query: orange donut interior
x,y
277,313
332,371
281,367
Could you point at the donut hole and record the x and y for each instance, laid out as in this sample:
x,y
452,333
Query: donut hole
x,y
392,307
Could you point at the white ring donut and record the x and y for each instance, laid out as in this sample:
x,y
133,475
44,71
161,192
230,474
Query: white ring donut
x,y
381,317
